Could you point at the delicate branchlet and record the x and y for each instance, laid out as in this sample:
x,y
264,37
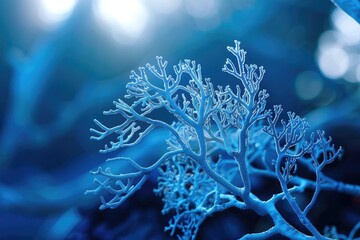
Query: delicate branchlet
x,y
184,187
219,138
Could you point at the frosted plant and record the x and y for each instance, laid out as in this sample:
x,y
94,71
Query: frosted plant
x,y
219,138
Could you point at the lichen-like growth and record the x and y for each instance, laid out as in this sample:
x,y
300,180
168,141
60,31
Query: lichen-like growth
x,y
219,138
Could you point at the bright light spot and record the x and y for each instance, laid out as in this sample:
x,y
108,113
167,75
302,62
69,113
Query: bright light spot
x,y
329,39
53,12
333,62
122,18
338,53
202,8
166,6
347,26
308,85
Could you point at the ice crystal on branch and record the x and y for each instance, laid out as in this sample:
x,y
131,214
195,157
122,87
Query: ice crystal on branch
x,y
219,138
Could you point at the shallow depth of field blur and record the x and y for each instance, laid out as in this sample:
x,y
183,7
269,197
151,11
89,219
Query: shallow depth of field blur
x,y
63,62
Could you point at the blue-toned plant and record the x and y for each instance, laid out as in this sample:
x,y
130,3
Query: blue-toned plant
x,y
221,138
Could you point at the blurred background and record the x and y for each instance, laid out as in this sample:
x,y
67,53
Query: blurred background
x,y
63,62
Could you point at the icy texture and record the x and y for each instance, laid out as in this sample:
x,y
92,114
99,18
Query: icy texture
x,y
222,139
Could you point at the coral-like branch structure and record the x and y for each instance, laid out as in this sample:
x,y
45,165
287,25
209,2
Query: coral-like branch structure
x,y
221,138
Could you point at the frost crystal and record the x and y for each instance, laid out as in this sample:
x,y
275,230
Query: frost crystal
x,y
220,137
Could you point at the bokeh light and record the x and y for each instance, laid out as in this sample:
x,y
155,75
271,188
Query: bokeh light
x,y
308,85
346,26
333,62
125,19
338,52
53,12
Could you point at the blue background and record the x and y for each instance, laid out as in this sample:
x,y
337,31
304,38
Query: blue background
x,y
58,72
